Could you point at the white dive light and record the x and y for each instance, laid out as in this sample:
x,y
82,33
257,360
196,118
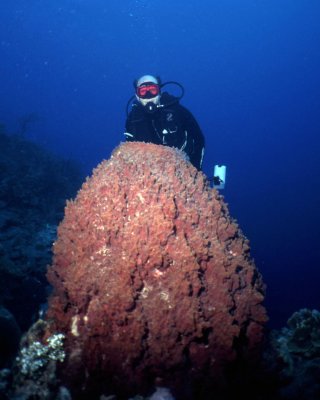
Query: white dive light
x,y
219,176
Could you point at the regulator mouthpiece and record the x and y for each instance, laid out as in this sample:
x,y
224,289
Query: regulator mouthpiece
x,y
150,107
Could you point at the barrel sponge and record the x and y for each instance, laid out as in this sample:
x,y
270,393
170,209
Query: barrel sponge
x,y
152,279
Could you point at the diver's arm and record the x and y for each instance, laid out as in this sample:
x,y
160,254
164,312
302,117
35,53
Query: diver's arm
x,y
196,136
197,157
129,130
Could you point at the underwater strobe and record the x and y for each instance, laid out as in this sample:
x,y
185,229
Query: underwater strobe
x,y
219,176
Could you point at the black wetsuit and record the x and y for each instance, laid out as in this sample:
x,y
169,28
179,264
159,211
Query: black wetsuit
x,y
171,125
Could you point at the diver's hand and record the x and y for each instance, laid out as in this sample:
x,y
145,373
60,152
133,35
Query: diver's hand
x,y
216,180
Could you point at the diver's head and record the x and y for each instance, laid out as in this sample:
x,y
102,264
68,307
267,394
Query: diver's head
x,y
147,90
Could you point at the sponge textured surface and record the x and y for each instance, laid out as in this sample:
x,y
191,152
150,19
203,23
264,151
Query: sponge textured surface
x,y
152,278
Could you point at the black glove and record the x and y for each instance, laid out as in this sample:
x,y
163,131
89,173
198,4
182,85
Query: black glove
x,y
217,180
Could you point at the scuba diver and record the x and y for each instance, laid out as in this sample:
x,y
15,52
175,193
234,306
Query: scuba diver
x,y
158,117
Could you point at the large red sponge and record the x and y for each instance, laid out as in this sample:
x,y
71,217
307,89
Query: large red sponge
x,y
153,281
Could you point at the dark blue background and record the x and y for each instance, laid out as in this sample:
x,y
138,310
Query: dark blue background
x,y
251,74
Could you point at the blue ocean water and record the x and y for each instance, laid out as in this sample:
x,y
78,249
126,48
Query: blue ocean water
x,y
250,70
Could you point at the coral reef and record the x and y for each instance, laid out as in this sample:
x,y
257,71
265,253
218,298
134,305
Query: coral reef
x,y
10,335
152,280
33,180
36,356
33,375
162,393
34,185
295,354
